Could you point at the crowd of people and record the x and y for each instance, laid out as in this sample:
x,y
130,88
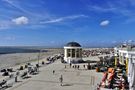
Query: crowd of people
x,y
115,76
96,52
55,57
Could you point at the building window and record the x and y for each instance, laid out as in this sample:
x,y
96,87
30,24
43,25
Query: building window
x,y
77,53
68,53
73,53
80,52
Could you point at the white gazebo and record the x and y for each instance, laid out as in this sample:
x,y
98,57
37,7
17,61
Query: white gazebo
x,y
72,52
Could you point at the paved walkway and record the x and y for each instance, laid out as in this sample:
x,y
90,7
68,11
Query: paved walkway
x,y
73,79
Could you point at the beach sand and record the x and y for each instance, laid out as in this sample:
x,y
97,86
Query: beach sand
x,y
10,60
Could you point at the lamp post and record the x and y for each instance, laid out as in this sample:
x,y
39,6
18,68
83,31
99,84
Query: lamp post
x,y
29,61
38,59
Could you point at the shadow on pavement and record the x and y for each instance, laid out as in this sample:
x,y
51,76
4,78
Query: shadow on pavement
x,y
67,85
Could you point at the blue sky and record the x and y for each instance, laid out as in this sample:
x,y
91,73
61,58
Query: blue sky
x,y
56,22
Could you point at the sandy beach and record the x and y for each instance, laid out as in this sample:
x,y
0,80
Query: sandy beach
x,y
10,60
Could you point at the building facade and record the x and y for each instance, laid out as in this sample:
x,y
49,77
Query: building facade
x,y
126,56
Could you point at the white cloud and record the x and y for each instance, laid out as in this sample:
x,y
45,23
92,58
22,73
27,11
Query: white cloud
x,y
52,42
101,9
17,6
9,38
130,41
118,8
5,25
21,20
105,23
63,19
53,20
114,42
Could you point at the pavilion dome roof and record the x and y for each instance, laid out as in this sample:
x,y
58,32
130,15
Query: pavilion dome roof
x,y
73,44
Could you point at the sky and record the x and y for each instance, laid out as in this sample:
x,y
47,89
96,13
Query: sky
x,y
57,22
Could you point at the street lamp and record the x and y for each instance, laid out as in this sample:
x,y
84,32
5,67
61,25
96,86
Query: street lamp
x,y
38,59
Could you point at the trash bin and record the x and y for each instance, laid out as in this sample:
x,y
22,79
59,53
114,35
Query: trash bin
x,y
26,66
97,69
43,62
88,67
37,65
21,68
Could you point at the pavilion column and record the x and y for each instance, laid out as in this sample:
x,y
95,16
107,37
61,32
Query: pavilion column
x,y
75,53
66,53
71,52
80,53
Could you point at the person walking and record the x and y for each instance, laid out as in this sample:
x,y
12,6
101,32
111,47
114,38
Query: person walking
x,y
16,79
70,65
84,66
53,72
78,67
75,66
61,80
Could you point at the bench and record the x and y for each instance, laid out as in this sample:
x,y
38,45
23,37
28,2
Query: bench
x,y
24,74
3,83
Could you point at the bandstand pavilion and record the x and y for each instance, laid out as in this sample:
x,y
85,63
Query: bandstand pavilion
x,y
72,52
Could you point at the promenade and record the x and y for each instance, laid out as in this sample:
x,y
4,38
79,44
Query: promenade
x,y
73,79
